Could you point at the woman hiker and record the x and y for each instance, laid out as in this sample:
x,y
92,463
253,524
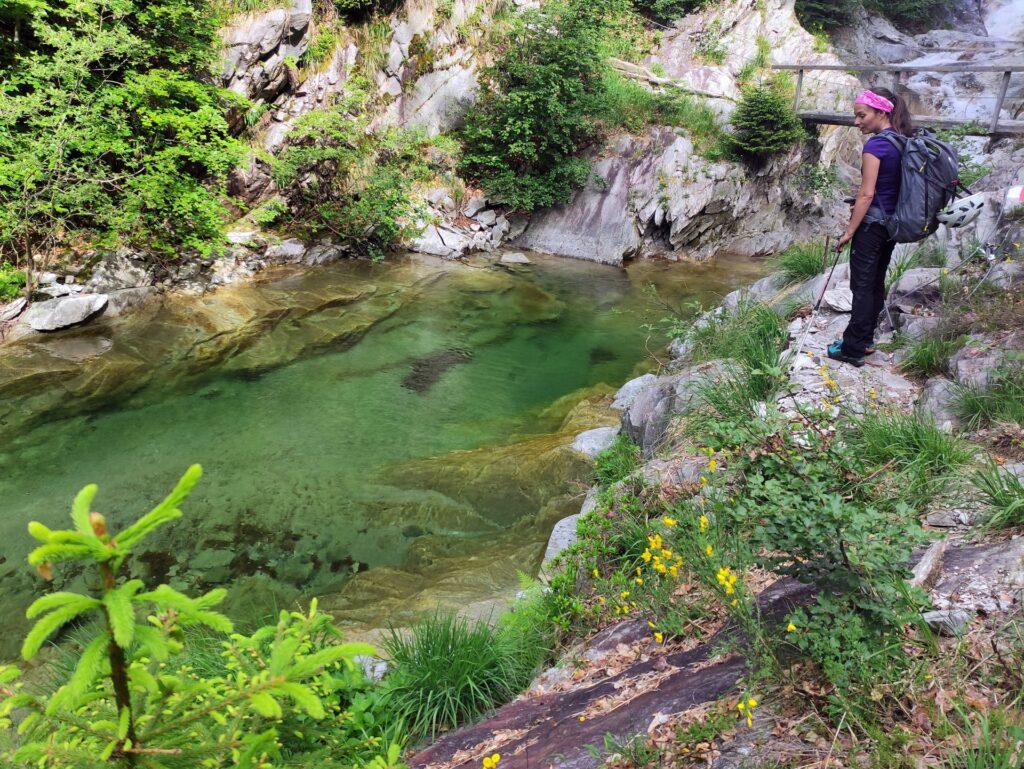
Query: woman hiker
x,y
875,111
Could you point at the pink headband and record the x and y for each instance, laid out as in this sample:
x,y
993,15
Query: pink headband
x,y
873,100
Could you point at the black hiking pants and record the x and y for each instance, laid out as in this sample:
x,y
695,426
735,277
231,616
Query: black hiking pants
x,y
869,259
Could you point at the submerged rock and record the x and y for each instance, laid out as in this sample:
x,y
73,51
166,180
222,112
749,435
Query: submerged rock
x,y
593,442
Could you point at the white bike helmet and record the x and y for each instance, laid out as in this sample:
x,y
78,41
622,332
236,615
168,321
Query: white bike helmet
x,y
962,211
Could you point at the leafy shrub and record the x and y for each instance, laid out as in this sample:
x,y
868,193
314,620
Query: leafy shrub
x,y
825,14
351,186
111,128
322,45
270,212
909,12
617,461
667,11
1001,401
124,704
449,670
800,262
12,280
764,123
1004,493
523,138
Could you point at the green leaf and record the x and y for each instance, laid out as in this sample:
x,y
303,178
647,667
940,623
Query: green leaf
x,y
52,622
80,509
264,704
121,614
89,667
303,698
38,531
164,512
56,600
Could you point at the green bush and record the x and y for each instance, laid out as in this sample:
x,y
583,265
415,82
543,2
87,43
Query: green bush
x,y
667,11
617,461
909,12
12,280
524,137
447,671
764,123
1004,493
825,14
126,704
111,129
800,262
351,186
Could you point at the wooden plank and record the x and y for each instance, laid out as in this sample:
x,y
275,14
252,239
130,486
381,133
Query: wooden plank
x,y
799,85
999,102
1008,67
930,121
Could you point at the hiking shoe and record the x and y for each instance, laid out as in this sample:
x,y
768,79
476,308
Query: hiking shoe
x,y
835,352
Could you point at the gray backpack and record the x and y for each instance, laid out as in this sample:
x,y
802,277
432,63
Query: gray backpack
x,y
929,177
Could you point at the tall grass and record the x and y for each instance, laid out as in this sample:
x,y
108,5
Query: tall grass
x,y
448,671
751,336
617,461
800,262
920,453
930,356
996,743
1004,493
1001,401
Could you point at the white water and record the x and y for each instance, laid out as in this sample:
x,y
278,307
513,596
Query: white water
x,y
1004,19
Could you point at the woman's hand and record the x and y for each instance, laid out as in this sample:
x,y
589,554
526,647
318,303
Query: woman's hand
x,y
845,238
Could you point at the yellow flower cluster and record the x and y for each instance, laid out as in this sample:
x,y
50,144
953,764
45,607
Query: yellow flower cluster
x,y
491,761
746,708
727,579
831,384
704,523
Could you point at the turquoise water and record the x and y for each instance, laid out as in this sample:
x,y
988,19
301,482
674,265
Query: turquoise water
x,y
304,424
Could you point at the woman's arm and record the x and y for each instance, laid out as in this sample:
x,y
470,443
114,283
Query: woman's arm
x,y
869,165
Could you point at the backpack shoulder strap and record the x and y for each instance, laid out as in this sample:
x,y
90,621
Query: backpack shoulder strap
x,y
899,141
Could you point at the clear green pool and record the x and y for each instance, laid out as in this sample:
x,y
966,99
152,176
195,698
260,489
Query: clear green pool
x,y
367,433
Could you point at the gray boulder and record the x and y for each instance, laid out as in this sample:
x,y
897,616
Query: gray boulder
x,y
487,218
1007,275
916,288
676,471
516,257
948,622
936,401
288,250
647,418
839,298
916,327
593,442
120,269
627,393
474,205
13,309
973,364
55,314
257,50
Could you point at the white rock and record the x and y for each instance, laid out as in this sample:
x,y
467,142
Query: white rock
x,y
840,298
55,314
514,257
486,218
475,204
593,442
627,393
290,250
12,309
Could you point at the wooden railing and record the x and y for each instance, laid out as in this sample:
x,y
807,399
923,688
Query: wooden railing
x,y
995,125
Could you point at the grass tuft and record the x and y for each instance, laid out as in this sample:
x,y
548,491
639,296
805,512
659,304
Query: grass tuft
x,y
1001,401
448,671
800,262
1004,493
930,356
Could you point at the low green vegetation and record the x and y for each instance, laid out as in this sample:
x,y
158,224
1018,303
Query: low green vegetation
x,y
826,14
1003,492
617,461
667,11
800,262
1001,400
12,280
449,671
909,12
344,183
929,356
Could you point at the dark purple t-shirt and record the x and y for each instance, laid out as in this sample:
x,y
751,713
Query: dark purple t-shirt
x,y
887,188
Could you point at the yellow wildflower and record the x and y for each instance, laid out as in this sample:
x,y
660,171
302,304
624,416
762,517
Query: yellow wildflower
x,y
669,521
596,573
661,568
582,719
709,550
790,627
712,465
491,761
674,571
659,637
734,602
639,581
600,600
703,481
624,595
704,523
646,555
666,553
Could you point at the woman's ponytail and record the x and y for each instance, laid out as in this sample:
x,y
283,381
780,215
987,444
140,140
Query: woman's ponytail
x,y
900,117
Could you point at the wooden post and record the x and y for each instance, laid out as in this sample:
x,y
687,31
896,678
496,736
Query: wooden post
x,y
800,84
999,103
896,82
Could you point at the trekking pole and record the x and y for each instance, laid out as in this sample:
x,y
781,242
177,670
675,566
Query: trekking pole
x,y
821,296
